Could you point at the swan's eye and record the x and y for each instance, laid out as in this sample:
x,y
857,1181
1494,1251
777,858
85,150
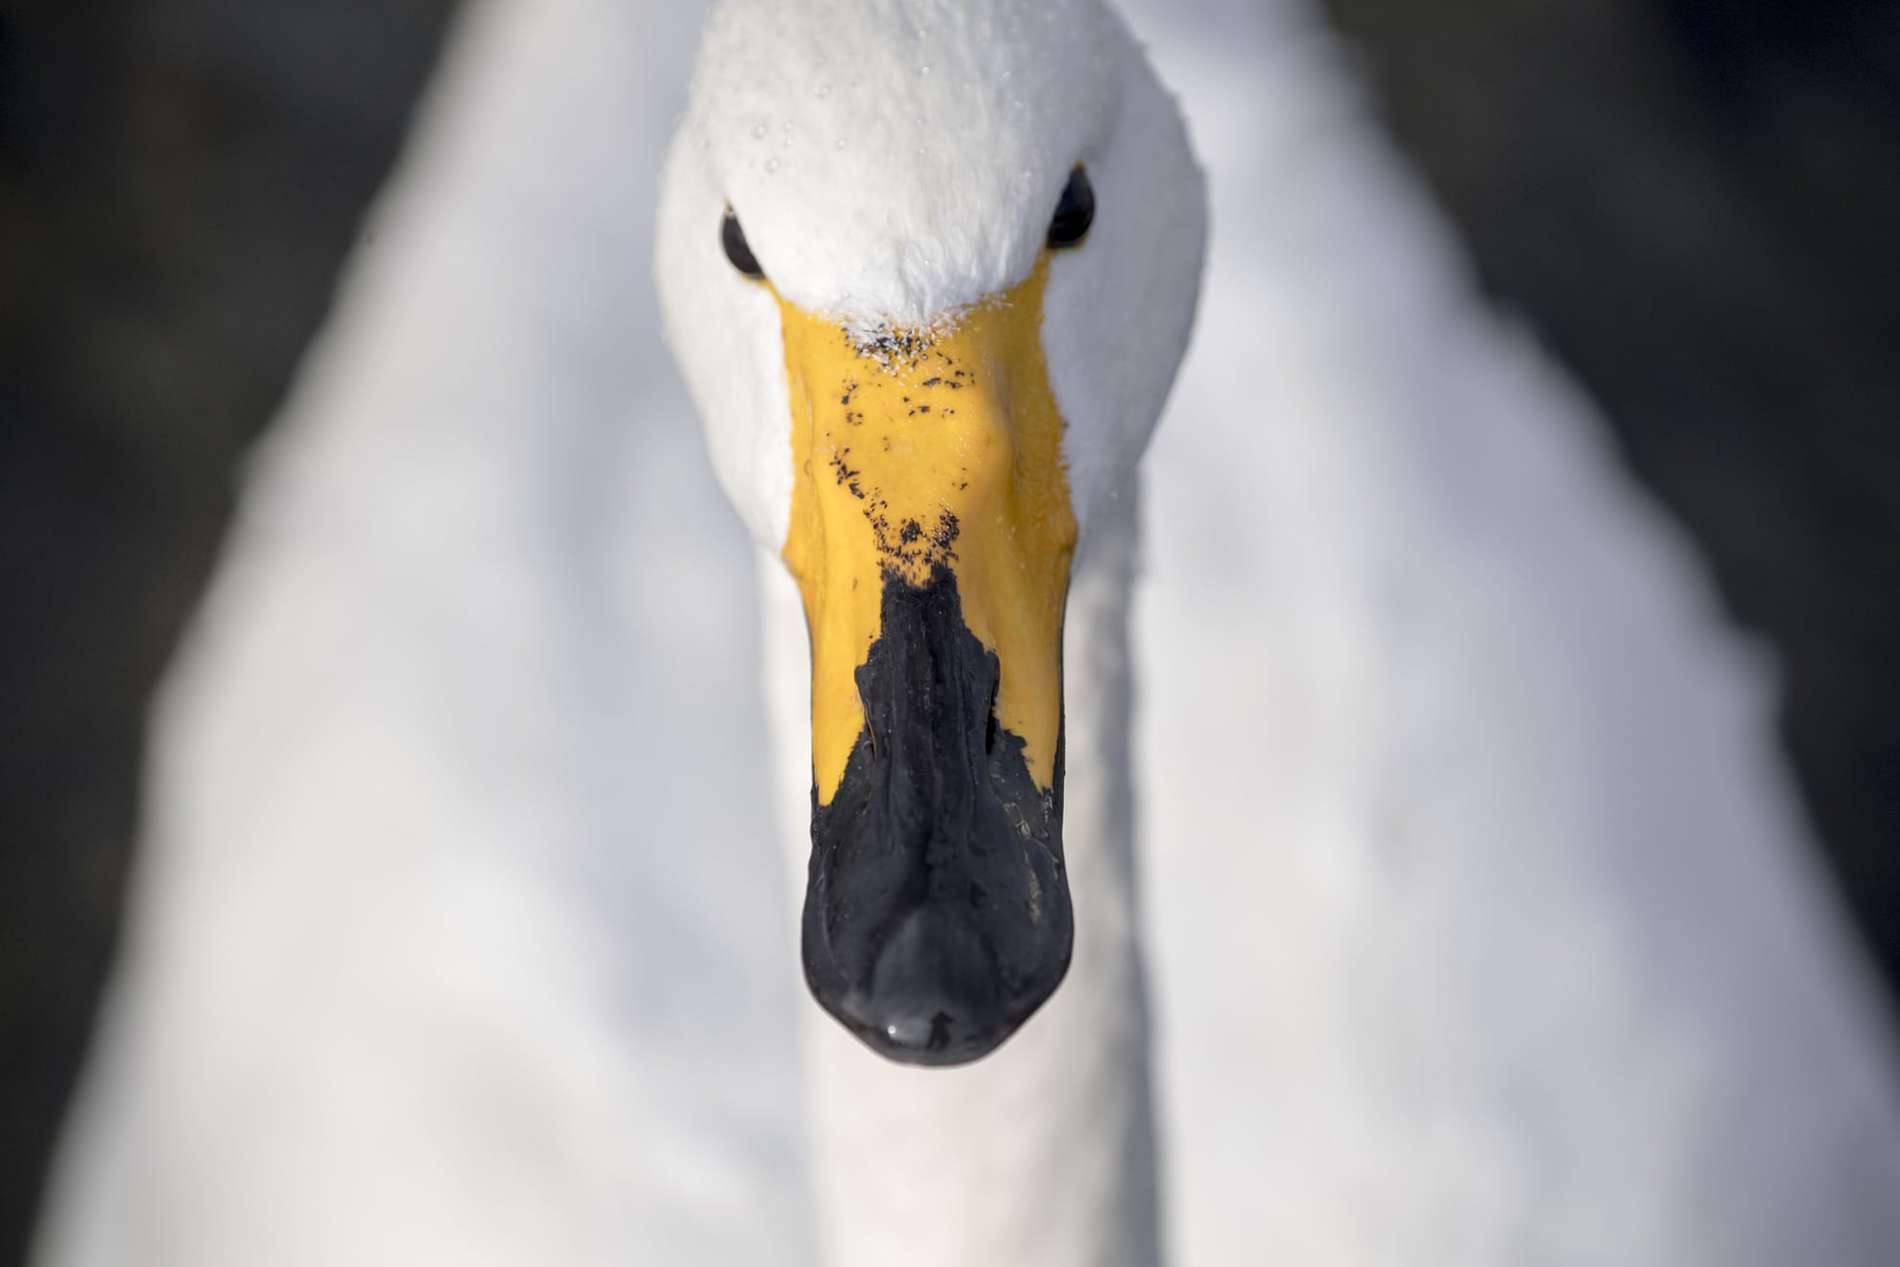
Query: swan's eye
x,y
732,237
1075,211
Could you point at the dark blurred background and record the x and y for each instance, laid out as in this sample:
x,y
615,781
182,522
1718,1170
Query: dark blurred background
x,y
1694,203
178,184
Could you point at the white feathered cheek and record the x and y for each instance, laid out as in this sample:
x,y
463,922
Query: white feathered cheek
x,y
723,329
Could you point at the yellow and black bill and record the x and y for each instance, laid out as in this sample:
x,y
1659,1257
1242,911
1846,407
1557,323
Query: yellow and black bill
x,y
931,536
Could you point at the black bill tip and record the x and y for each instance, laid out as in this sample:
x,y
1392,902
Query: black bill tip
x,y
933,997
937,913
935,992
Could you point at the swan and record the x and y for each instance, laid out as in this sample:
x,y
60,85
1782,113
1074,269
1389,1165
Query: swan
x,y
929,269
1586,797
1471,890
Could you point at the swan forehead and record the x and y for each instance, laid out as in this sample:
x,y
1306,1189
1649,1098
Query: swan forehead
x,y
893,159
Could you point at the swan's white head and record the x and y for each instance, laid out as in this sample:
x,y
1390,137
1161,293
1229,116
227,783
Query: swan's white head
x,y
929,267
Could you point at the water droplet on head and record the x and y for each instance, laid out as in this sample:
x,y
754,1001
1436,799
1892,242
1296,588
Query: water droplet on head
x,y
771,164
924,69
839,144
759,130
824,90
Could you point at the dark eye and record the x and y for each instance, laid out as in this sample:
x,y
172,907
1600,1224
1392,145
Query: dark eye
x,y
732,237
1075,211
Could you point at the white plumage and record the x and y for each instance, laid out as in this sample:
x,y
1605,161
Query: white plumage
x,y
1481,922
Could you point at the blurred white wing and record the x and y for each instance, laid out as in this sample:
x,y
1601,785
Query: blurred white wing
x,y
460,930
1486,930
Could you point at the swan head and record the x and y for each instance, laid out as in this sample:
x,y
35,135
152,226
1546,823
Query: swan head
x,y
928,269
